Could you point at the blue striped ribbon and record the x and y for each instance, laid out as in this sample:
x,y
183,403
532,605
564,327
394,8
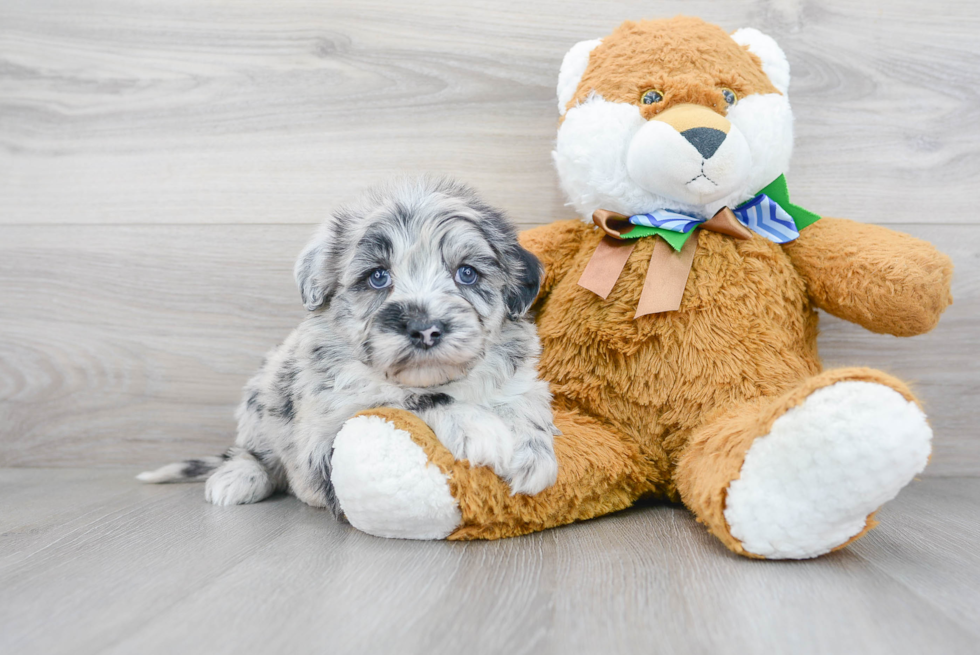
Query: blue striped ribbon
x,y
668,220
762,215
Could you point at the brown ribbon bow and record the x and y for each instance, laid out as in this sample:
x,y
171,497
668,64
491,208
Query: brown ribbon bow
x,y
667,275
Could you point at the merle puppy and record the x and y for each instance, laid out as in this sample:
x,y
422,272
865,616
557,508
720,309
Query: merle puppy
x,y
417,299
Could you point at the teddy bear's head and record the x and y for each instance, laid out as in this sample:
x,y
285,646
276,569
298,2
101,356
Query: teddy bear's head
x,y
672,114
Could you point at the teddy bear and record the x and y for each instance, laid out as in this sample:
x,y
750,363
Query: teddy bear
x,y
678,320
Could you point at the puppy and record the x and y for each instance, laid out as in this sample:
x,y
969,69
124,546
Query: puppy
x,y
418,297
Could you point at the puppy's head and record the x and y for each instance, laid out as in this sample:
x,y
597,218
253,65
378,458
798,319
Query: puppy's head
x,y
420,275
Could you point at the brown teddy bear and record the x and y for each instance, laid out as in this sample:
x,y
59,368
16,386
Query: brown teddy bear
x,y
679,322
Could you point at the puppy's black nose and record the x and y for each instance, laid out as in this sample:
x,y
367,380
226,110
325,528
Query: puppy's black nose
x,y
425,333
706,140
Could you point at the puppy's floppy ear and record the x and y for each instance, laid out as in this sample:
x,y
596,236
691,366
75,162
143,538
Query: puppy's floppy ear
x,y
526,274
317,284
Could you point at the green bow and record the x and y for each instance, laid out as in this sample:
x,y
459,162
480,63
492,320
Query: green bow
x,y
777,190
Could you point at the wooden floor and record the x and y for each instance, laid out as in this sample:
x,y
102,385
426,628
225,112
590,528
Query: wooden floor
x,y
92,562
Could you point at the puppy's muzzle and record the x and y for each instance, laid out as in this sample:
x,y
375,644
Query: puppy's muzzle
x,y
424,332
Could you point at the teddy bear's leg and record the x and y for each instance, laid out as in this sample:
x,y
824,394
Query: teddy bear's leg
x,y
800,475
394,478
385,483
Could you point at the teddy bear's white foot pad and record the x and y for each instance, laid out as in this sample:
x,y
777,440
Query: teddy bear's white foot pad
x,y
386,485
810,484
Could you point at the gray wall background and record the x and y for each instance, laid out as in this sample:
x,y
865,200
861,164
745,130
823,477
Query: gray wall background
x,y
162,163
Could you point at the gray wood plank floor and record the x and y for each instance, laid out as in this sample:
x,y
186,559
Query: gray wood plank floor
x,y
92,562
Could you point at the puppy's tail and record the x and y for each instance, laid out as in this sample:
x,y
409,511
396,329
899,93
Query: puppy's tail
x,y
191,470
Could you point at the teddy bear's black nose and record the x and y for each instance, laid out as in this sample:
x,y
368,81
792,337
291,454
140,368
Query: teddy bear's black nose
x,y
706,140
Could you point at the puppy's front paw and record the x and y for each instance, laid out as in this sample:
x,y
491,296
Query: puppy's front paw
x,y
533,469
521,455
477,436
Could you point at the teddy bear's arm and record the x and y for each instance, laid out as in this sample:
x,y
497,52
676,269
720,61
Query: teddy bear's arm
x,y
885,281
556,245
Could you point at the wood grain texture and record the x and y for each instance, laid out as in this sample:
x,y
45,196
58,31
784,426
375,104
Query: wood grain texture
x,y
94,563
161,164
192,111
130,345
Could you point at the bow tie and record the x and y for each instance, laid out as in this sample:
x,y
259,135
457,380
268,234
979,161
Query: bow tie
x,y
769,214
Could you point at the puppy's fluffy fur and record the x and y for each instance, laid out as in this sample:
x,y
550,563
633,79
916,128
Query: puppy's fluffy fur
x,y
460,354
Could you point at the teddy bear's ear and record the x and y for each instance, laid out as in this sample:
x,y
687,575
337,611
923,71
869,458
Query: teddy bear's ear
x,y
572,68
774,63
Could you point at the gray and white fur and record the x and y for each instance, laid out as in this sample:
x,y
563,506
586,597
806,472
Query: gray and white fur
x,y
446,336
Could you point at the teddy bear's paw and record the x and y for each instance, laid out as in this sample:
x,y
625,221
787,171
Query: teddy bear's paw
x,y
811,484
386,485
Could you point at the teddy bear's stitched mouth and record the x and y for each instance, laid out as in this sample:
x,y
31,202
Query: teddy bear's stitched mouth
x,y
699,176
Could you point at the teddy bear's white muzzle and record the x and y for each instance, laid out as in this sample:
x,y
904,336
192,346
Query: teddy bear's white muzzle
x,y
696,167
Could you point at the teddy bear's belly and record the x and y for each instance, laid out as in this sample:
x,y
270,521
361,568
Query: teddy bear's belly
x,y
745,329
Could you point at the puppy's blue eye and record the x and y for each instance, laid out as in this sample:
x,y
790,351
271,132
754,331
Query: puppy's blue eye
x,y
729,96
466,275
380,279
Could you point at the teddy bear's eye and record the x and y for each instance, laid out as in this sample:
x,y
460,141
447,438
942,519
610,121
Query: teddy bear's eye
x,y
651,96
730,97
